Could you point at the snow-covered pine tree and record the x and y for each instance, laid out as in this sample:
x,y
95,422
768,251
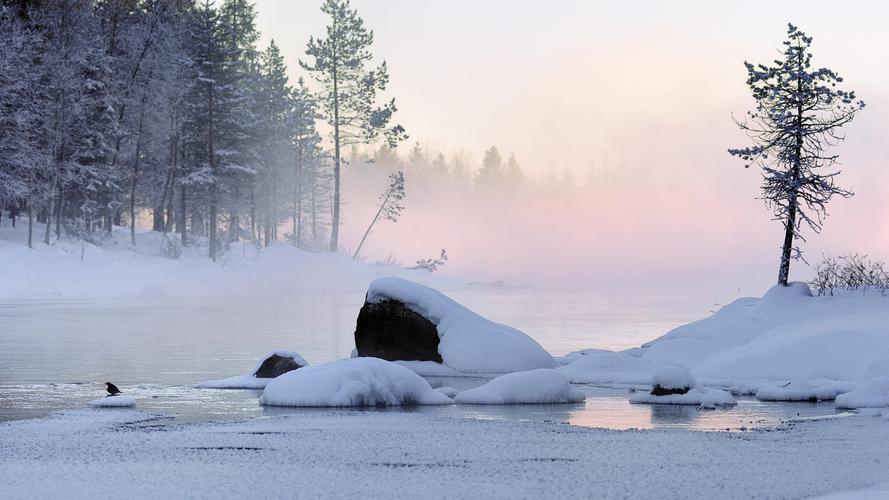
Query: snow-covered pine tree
x,y
798,115
339,62
307,156
274,106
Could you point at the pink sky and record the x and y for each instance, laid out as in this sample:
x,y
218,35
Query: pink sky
x,y
649,86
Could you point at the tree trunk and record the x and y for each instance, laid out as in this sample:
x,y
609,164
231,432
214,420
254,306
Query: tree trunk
x,y
180,225
30,224
335,219
52,207
60,214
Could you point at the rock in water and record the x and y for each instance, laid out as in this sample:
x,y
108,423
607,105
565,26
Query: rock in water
x,y
405,321
276,365
389,330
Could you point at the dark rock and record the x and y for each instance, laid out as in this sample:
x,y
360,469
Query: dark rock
x,y
275,365
660,391
389,330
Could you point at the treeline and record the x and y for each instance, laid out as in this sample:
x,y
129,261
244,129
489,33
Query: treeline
x,y
114,110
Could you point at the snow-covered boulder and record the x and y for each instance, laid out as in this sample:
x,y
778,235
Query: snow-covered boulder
x,y
351,382
672,385
704,397
272,365
609,368
402,320
118,401
540,386
798,390
672,380
873,394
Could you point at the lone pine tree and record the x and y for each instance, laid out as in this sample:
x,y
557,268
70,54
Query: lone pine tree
x,y
798,115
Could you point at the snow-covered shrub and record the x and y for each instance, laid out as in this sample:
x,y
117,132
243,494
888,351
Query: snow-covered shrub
x,y
850,272
432,265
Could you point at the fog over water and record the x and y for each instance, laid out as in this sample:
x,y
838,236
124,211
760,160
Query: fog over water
x,y
635,103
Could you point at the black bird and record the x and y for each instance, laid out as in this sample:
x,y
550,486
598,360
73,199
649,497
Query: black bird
x,y
112,389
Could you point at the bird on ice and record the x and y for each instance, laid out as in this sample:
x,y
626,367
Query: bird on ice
x,y
112,389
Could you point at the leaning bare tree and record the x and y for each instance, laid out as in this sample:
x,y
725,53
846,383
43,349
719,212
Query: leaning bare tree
x,y
390,205
799,113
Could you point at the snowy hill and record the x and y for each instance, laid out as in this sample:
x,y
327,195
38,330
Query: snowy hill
x,y
74,270
821,344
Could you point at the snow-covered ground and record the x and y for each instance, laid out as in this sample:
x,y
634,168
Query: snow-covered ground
x,y
785,345
69,269
374,454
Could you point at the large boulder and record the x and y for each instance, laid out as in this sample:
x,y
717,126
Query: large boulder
x,y
405,321
388,329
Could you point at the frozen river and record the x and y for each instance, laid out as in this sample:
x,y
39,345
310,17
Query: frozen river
x,y
57,354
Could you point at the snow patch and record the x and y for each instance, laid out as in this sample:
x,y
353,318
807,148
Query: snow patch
x,y
798,390
119,401
704,397
540,386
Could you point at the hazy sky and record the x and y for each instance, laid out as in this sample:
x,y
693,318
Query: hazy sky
x,y
644,88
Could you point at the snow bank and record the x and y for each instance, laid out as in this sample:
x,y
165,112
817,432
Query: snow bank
x,y
252,381
351,382
609,368
119,270
798,390
468,343
119,401
704,397
874,394
786,335
540,386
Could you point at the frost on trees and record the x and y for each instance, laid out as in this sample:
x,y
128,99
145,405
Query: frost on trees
x,y
798,116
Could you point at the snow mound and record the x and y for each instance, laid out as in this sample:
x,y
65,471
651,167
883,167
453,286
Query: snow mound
x,y
604,367
351,382
540,386
468,343
786,335
798,390
119,401
252,381
704,397
874,394
673,377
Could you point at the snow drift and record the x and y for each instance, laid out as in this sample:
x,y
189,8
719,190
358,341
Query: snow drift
x,y
874,394
540,386
351,382
830,343
468,343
